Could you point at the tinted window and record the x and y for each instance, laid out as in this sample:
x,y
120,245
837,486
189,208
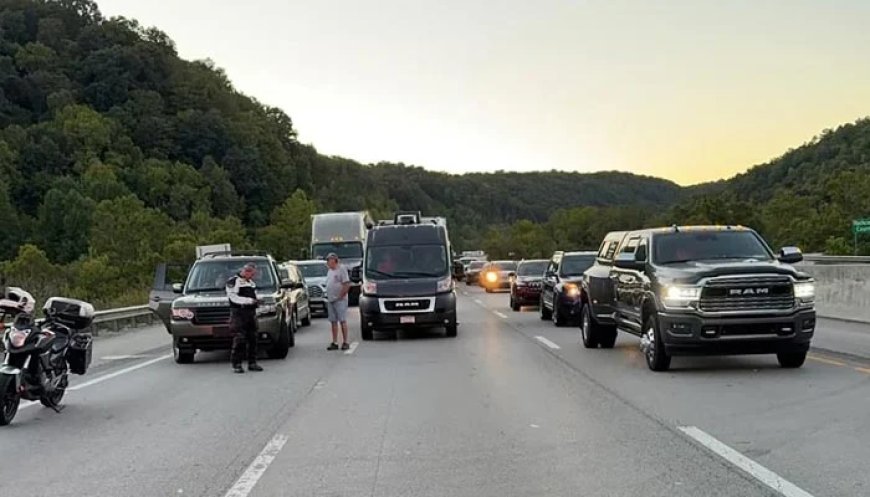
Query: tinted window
x,y
342,250
213,275
313,270
407,261
708,245
504,266
576,265
532,268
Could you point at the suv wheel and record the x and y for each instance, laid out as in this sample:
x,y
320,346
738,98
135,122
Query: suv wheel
x,y
653,348
791,360
588,329
306,321
546,314
452,330
607,336
281,347
182,356
558,319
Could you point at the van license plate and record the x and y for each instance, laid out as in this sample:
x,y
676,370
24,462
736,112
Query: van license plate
x,y
407,320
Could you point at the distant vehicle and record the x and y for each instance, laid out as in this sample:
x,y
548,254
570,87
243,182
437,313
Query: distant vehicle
x,y
344,234
296,292
472,272
526,284
497,275
196,311
560,292
314,273
407,280
700,290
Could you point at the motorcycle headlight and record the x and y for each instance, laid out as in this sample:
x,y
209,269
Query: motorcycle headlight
x,y
445,285
680,296
805,291
182,314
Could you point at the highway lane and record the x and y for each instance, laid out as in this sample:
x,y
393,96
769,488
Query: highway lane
x,y
496,411
808,425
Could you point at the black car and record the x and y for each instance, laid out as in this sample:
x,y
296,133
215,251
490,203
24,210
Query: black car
x,y
700,290
472,272
407,280
560,291
526,283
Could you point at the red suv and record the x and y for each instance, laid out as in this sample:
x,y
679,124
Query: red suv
x,y
526,283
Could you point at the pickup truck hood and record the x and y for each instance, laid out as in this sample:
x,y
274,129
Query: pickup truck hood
x,y
417,287
691,272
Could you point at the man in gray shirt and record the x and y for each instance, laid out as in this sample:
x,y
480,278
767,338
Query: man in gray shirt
x,y
337,288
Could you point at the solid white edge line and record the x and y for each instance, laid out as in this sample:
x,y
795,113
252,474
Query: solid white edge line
x,y
352,348
25,405
503,316
547,343
757,471
246,483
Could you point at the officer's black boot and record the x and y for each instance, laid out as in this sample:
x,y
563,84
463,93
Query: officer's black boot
x,y
237,368
254,367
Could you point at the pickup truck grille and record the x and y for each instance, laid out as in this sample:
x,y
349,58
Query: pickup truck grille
x,y
315,291
766,293
211,315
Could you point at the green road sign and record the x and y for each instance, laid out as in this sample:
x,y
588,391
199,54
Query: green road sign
x,y
861,226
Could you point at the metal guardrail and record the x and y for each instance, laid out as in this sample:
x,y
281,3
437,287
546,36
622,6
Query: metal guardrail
x,y
116,319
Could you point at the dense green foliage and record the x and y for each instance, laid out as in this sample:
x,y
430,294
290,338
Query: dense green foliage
x,y
115,154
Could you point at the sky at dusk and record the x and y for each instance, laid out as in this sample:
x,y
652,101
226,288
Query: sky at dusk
x,y
691,91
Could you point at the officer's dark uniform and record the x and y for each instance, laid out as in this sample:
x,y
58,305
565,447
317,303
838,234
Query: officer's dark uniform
x,y
243,320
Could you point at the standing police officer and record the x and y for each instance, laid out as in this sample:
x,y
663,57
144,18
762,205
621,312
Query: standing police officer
x,y
242,293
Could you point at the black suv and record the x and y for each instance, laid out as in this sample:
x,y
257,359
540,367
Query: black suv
x,y
711,290
560,289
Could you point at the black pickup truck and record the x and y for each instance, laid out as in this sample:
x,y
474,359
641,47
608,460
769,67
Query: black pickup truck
x,y
699,290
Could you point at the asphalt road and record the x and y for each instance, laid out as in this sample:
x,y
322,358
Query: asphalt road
x,y
513,406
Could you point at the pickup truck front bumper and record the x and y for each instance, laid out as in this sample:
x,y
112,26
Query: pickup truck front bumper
x,y
692,334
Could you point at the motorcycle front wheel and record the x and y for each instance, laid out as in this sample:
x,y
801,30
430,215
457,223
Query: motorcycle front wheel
x,y
9,399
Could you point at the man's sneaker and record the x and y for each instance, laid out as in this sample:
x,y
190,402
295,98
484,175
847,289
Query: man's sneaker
x,y
255,367
332,346
238,369
345,346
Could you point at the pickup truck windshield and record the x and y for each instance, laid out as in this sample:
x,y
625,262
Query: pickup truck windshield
x,y
576,265
673,248
352,250
532,268
213,275
313,270
407,261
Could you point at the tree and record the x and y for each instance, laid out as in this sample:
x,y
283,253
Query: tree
x,y
64,224
9,222
290,231
32,271
225,201
100,182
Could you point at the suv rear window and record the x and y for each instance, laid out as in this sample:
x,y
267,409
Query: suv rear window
x,y
673,248
576,265
532,268
213,275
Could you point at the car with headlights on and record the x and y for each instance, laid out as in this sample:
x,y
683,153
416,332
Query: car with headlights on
x,y
196,313
561,286
704,290
497,275
526,283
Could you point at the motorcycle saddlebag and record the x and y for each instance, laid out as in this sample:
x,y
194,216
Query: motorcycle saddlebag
x,y
80,352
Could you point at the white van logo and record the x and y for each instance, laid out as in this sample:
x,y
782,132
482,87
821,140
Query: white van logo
x,y
736,292
406,305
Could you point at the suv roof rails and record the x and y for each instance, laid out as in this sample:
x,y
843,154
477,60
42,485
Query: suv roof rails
x,y
236,253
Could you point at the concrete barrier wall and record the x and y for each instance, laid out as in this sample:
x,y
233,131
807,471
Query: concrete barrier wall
x,y
842,290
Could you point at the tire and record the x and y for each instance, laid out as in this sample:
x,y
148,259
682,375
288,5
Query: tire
x,y
546,314
306,321
607,336
367,333
657,359
182,356
588,329
791,360
452,331
9,399
558,319
57,397
281,348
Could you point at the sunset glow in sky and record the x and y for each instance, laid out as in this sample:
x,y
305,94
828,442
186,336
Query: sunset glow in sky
x,y
689,90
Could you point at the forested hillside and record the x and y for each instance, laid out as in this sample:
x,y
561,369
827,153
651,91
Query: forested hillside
x,y
115,154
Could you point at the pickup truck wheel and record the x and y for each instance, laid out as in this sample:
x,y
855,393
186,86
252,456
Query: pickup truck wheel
x,y
653,348
182,356
791,360
588,329
546,314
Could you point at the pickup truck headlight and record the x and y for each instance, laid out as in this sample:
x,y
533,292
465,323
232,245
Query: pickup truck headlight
x,y
267,310
805,291
445,285
680,296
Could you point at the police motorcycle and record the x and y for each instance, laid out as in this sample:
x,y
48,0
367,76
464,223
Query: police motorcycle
x,y
39,354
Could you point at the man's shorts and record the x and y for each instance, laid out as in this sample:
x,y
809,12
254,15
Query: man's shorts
x,y
337,311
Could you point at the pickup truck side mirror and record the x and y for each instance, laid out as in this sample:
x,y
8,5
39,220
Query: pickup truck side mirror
x,y
177,288
628,261
355,276
790,255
